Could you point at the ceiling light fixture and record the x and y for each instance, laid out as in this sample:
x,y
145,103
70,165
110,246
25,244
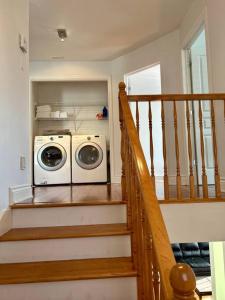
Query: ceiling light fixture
x,y
62,34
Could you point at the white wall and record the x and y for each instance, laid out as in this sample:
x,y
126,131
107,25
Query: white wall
x,y
165,51
64,70
193,222
14,139
217,262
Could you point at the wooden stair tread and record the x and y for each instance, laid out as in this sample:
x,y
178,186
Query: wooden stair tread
x,y
51,271
66,204
62,232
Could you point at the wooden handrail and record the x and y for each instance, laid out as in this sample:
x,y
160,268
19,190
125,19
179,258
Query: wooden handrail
x,y
176,97
151,249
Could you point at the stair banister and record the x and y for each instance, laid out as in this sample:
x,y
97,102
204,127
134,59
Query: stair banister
x,y
159,277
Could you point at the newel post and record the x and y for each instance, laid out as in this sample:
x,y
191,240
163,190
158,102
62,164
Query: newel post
x,y
122,95
182,279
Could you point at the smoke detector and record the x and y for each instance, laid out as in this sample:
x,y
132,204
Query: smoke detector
x,y
62,34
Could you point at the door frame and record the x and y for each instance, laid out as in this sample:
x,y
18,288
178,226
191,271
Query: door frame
x,y
200,25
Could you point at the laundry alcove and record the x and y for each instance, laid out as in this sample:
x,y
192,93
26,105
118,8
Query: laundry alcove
x,y
75,105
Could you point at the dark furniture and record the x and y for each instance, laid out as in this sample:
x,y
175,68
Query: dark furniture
x,y
196,255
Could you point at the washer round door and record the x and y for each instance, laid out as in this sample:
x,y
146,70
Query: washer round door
x,y
52,157
89,156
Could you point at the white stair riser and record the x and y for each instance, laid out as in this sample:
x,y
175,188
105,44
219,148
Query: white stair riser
x,y
100,289
69,216
65,249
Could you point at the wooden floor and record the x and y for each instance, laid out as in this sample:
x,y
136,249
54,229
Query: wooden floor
x,y
66,270
75,195
97,194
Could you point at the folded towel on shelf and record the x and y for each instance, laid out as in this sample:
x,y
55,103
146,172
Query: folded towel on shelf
x,y
44,108
55,114
63,114
43,114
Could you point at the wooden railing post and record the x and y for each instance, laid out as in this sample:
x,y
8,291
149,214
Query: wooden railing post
x,y
122,94
204,175
177,151
190,155
183,282
166,179
151,143
214,139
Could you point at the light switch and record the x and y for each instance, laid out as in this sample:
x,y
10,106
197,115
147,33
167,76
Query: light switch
x,y
22,163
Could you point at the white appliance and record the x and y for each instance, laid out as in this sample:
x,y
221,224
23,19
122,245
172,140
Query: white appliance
x,y
89,159
52,159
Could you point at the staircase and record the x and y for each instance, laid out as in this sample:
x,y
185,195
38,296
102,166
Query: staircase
x,y
67,252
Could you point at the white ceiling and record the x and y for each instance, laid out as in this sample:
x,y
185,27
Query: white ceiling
x,y
99,29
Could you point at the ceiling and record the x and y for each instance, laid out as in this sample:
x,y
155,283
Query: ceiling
x,y
99,29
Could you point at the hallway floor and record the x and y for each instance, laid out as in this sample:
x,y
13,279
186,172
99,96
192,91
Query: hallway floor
x,y
97,194
75,195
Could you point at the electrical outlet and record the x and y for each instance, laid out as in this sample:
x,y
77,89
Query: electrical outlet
x,y
22,163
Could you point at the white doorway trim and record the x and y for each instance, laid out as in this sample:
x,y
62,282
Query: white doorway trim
x,y
200,23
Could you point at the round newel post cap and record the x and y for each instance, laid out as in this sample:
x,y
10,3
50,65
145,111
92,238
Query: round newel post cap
x,y
182,279
122,86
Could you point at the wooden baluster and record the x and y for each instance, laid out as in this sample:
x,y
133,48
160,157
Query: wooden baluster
x,y
151,144
133,214
122,95
139,236
183,282
204,176
128,178
137,118
191,175
166,181
217,176
147,259
178,178
156,278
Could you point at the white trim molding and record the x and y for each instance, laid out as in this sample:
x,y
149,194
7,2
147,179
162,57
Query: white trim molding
x,y
20,193
5,220
116,179
222,183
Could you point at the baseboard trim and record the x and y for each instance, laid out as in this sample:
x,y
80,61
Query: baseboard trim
x,y
5,220
222,184
116,179
20,193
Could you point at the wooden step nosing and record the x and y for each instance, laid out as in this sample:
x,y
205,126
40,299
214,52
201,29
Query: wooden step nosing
x,y
132,273
49,205
54,235
69,270
64,237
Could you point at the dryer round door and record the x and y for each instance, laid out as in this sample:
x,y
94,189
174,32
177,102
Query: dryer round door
x,y
89,156
52,157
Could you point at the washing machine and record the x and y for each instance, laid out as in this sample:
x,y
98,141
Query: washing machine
x,y
52,159
89,159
